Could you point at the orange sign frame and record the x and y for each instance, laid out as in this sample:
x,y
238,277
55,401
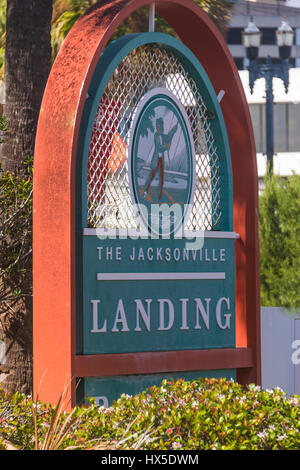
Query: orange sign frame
x,y
56,365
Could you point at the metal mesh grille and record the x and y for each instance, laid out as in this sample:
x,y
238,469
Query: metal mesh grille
x,y
109,203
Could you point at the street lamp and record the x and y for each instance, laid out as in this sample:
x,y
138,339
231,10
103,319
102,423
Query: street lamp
x,y
284,39
251,41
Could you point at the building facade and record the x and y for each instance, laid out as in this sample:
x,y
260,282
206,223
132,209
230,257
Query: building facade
x,y
267,15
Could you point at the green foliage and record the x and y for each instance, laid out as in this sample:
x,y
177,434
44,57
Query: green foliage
x,y
61,28
15,237
71,11
279,213
198,415
58,428
67,12
218,10
2,16
3,127
2,445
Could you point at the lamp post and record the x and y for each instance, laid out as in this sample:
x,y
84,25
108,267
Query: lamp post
x,y
269,70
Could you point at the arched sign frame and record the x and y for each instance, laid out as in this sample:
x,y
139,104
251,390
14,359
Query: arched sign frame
x,y
56,362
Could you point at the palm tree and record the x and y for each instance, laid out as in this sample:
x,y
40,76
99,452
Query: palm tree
x,y
27,66
65,14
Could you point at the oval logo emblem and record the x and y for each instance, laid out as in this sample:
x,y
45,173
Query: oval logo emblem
x,y
161,163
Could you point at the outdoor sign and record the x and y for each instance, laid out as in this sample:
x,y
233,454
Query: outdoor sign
x,y
147,288
153,285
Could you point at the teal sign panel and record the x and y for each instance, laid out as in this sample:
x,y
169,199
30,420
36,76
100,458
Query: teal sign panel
x,y
158,296
106,390
154,288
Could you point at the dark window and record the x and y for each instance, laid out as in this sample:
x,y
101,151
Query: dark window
x,y
239,62
234,36
268,36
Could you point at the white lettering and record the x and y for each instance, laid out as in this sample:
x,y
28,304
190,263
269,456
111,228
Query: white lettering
x,y
118,253
99,248
112,460
109,253
208,255
166,314
296,354
162,303
96,328
141,255
222,254
132,256
204,313
150,257
177,254
140,311
158,254
120,318
226,315
184,314
101,401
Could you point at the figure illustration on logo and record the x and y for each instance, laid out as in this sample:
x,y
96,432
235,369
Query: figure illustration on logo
x,y
161,163
162,144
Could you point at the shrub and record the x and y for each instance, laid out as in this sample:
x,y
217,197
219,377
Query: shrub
x,y
15,237
279,213
198,415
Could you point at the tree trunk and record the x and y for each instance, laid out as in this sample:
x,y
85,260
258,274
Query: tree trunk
x,y
27,66
16,350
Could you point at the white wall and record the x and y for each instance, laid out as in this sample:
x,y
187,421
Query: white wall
x,y
293,3
280,344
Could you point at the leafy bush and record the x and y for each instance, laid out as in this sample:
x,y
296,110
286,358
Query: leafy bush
x,y
15,237
16,276
198,415
279,213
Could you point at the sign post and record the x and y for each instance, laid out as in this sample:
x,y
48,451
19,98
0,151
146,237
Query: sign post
x,y
145,211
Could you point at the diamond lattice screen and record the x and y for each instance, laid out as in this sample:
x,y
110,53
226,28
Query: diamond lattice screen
x,y
109,202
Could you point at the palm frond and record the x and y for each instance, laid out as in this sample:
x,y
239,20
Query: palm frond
x,y
61,28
